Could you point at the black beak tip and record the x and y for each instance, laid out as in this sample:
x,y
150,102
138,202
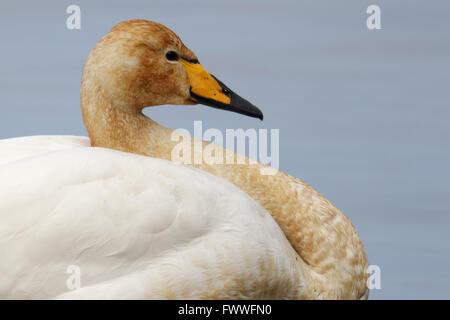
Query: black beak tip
x,y
240,105
255,113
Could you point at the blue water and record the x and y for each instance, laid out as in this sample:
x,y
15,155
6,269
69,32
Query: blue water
x,y
364,116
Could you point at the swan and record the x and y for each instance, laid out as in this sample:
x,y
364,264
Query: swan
x,y
140,226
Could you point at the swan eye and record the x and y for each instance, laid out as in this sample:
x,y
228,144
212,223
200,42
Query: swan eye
x,y
172,56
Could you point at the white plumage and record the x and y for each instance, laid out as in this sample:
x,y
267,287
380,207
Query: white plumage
x,y
137,227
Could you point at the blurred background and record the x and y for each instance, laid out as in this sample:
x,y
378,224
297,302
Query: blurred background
x,y
364,115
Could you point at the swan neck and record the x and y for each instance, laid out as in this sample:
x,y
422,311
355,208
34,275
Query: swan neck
x,y
330,255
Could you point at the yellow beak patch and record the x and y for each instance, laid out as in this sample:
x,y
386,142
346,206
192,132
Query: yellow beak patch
x,y
203,84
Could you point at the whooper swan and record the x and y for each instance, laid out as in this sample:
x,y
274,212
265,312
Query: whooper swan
x,y
141,227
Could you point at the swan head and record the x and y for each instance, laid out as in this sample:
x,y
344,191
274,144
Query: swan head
x,y
141,63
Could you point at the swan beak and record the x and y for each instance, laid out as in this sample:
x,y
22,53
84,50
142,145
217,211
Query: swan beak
x,y
210,91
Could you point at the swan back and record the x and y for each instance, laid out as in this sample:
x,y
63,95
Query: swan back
x,y
137,227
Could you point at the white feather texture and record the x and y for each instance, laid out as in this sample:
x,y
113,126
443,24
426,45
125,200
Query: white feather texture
x,y
136,226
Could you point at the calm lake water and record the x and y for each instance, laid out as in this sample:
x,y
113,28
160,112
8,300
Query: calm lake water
x,y
364,116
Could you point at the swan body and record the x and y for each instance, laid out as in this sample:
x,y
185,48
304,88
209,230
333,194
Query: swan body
x,y
137,228
136,65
